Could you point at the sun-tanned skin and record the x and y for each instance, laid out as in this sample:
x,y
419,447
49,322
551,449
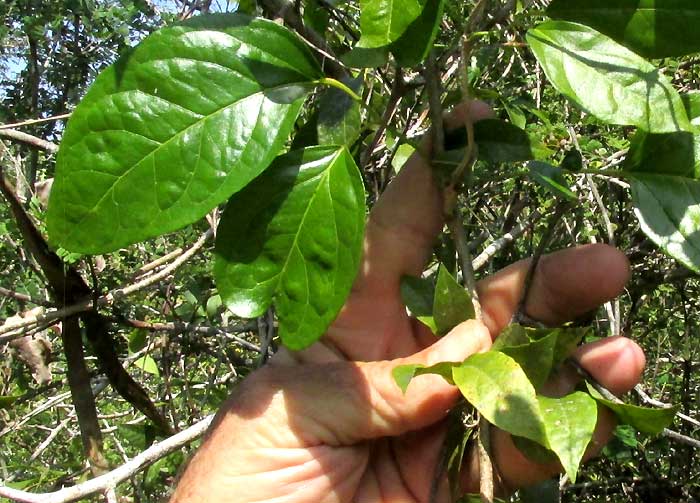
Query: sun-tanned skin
x,y
330,425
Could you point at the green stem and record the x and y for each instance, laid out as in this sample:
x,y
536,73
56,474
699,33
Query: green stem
x,y
328,81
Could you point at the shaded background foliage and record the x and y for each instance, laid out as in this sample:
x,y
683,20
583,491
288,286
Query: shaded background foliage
x,y
176,339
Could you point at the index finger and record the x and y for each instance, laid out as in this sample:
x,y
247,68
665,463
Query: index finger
x,y
407,218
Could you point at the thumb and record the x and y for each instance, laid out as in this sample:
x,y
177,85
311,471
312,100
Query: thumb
x,y
343,403
428,398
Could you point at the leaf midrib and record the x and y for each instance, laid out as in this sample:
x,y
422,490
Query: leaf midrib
x,y
302,221
166,143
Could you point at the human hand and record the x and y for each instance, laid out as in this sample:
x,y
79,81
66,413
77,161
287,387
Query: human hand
x,y
329,424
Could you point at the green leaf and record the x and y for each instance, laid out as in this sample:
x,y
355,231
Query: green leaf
x,y
294,237
403,374
535,358
138,339
551,178
187,118
315,16
452,303
339,115
360,57
147,364
569,422
645,420
417,295
668,153
7,401
668,210
606,79
512,335
498,141
515,114
382,22
413,46
214,303
403,153
534,451
651,28
539,351
573,161
499,389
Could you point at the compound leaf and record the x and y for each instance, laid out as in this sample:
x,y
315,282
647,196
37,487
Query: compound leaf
x,y
650,28
187,118
294,236
607,79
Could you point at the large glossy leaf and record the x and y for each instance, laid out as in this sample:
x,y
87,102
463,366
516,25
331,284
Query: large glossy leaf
x,y
499,389
644,419
607,79
665,185
651,28
413,46
190,116
668,210
293,237
339,118
498,141
569,422
382,22
452,303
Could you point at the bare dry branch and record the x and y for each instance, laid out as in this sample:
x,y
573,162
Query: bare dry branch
x,y
27,139
30,122
110,480
10,331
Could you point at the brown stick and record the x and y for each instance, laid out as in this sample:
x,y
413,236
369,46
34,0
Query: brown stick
x,y
27,139
83,399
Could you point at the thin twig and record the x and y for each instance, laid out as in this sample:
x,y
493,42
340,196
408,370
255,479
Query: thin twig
x,y
24,297
27,139
111,479
10,331
485,463
499,244
609,229
656,403
520,314
30,122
